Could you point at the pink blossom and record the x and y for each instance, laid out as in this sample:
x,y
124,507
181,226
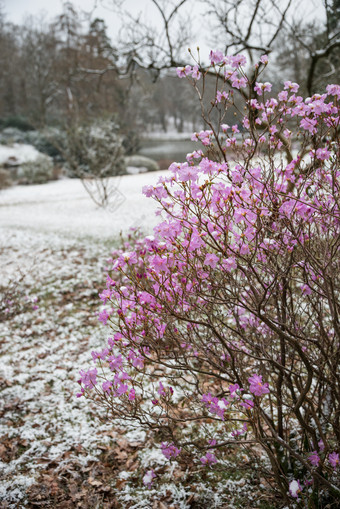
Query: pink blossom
x,y
115,362
195,72
221,95
333,90
216,57
233,389
208,459
333,459
314,458
88,378
107,386
309,124
182,72
103,316
148,478
256,386
169,450
321,445
148,191
211,260
260,88
229,263
237,60
186,173
306,290
292,87
239,83
322,154
161,390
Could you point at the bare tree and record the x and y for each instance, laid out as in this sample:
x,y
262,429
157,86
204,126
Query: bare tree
x,y
311,32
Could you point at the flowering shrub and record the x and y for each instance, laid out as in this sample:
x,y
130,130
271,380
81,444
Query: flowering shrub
x,y
226,322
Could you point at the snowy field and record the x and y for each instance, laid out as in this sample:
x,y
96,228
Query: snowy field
x,y
54,451
65,207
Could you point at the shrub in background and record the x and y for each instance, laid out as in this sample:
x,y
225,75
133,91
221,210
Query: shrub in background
x,y
225,323
38,171
94,153
16,122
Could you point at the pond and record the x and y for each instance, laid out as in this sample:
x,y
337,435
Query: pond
x,y
167,151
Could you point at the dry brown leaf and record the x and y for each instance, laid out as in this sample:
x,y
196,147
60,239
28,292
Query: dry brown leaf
x,y
93,482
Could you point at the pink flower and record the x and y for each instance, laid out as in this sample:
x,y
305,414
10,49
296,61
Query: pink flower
x,y
211,260
314,459
148,478
208,459
292,87
283,96
264,59
186,173
221,95
88,378
182,72
107,386
236,61
321,445
148,190
195,72
233,390
333,90
309,124
334,459
169,450
216,57
262,87
239,83
256,385
322,154
161,390
103,317
229,264
306,290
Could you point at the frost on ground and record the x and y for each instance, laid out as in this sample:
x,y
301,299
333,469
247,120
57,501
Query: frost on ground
x,y
54,449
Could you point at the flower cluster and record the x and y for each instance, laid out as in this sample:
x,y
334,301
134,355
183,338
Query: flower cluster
x,y
241,277
169,450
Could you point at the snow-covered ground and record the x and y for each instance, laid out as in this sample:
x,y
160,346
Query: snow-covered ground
x,y
59,240
65,207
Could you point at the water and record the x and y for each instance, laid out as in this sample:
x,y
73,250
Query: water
x,y
168,151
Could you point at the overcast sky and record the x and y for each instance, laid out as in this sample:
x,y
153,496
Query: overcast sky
x,y
17,10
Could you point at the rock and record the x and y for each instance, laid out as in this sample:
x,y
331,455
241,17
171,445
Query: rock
x,y
138,161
